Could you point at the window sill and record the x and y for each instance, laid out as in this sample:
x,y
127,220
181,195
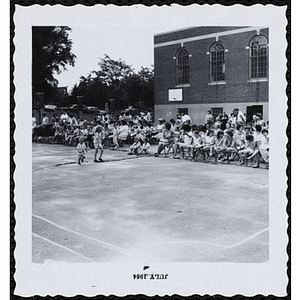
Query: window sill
x,y
217,83
182,85
258,80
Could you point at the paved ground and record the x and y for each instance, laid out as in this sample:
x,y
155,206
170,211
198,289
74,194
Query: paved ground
x,y
146,209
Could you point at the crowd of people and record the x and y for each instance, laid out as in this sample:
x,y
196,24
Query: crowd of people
x,y
224,138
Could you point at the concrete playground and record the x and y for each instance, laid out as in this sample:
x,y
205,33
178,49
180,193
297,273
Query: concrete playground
x,y
146,209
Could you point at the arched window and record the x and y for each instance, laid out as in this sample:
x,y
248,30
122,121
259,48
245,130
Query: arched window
x,y
258,57
217,62
182,66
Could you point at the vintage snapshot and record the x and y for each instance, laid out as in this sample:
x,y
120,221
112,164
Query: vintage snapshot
x,y
150,150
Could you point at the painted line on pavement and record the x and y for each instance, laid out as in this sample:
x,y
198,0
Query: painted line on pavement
x,y
63,247
189,242
217,245
80,234
249,238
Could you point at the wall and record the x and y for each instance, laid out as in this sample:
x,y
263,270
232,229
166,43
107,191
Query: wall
x,y
238,88
197,112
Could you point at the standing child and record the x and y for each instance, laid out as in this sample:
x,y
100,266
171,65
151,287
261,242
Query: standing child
x,y
98,144
81,148
115,136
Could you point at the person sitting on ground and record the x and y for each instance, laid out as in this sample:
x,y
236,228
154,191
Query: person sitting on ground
x,y
187,141
81,148
135,148
145,147
166,140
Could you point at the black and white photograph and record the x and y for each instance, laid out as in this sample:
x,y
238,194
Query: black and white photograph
x,y
146,162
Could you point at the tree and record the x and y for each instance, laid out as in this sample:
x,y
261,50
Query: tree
x,y
52,53
116,80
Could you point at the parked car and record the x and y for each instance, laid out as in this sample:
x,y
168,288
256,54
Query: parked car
x,y
91,109
75,107
50,106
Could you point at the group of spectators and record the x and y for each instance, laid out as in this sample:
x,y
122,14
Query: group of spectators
x,y
224,138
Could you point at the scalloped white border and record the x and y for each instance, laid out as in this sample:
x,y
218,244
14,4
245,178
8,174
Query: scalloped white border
x,y
200,278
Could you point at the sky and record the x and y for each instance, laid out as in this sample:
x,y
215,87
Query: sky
x,y
126,33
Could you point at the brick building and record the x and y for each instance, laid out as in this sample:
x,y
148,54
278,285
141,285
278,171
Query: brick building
x,y
216,68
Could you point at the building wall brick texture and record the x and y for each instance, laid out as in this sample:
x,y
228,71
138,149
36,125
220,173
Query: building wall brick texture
x,y
237,89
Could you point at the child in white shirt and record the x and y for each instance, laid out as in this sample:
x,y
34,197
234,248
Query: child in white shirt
x,y
81,148
187,140
145,147
135,148
98,144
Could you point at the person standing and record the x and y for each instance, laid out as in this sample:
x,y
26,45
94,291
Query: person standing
x,y
45,120
33,122
223,118
209,118
98,144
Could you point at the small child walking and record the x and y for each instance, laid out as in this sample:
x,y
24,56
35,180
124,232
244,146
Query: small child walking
x,y
81,148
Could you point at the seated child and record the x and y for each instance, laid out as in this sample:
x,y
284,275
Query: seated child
x,y
219,145
145,147
239,137
209,144
166,140
81,148
261,150
248,150
135,148
229,145
197,145
187,141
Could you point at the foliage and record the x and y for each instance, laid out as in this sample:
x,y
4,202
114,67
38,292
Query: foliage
x,y
52,52
116,80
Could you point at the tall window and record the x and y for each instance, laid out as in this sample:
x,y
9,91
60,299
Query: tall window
x,y
183,66
258,57
217,62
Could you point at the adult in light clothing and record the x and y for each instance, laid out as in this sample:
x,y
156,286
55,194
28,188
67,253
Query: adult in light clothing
x,y
209,118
